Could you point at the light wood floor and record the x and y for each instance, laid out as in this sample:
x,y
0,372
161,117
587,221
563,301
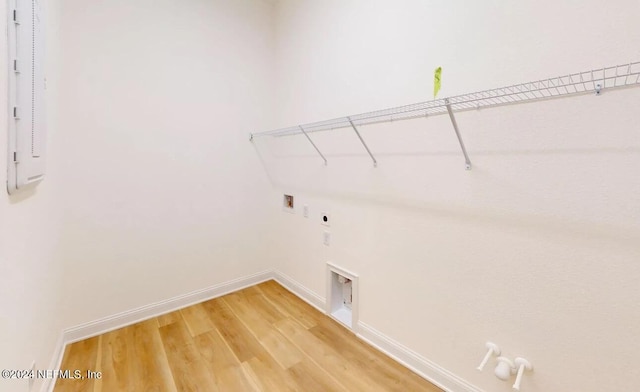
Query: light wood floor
x,y
262,338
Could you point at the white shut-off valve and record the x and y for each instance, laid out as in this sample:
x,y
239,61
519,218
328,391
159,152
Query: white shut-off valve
x,y
506,367
522,365
493,350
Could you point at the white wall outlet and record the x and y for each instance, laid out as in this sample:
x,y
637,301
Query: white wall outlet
x,y
305,211
327,238
325,219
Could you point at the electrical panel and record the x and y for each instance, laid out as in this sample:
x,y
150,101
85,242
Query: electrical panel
x,y
27,118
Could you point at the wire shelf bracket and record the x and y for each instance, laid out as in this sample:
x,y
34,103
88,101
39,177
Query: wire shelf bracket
x,y
455,128
375,163
314,145
596,81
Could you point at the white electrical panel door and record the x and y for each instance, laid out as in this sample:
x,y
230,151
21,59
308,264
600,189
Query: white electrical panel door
x,y
27,121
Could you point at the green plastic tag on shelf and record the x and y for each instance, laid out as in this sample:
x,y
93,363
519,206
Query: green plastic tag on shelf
x,y
436,81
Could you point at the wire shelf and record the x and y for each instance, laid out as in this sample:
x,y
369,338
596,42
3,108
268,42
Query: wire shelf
x,y
593,81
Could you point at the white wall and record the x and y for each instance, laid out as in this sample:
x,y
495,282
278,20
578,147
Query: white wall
x,y
163,191
30,273
536,248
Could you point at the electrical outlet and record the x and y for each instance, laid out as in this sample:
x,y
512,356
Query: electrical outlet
x,y
305,211
327,238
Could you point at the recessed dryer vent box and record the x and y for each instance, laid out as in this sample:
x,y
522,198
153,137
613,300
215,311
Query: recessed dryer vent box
x,y
342,298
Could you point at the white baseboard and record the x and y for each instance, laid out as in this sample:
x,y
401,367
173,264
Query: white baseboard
x,y
56,361
302,292
142,313
437,375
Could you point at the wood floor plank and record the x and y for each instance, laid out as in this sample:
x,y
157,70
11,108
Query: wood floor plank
x,y
222,362
114,361
269,379
281,349
97,385
288,304
249,314
187,367
326,357
215,351
380,369
151,359
314,378
253,296
197,319
168,318
127,352
243,344
255,380
235,379
82,356
257,315
230,313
